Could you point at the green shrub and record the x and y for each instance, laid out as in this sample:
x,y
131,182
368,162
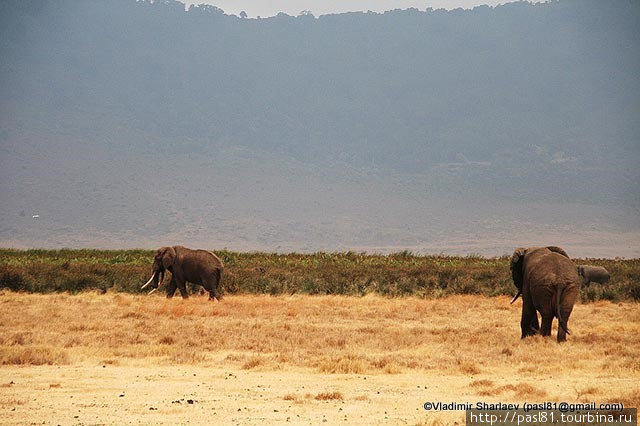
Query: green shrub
x,y
350,273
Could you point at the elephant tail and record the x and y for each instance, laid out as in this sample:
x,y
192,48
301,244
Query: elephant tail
x,y
219,276
561,322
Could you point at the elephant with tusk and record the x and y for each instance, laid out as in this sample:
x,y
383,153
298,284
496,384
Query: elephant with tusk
x,y
200,267
596,274
549,282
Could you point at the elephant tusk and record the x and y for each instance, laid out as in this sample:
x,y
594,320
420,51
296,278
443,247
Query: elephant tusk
x,y
153,291
148,282
516,296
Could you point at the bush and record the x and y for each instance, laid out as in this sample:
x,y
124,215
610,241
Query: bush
x,y
13,281
395,275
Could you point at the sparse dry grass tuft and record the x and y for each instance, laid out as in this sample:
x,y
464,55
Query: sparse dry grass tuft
x,y
629,399
468,367
253,362
346,364
433,422
520,390
187,356
167,340
32,355
582,393
328,396
234,357
11,402
483,383
525,390
386,364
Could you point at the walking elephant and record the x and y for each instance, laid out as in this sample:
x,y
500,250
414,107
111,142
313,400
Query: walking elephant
x,y
596,274
549,282
200,267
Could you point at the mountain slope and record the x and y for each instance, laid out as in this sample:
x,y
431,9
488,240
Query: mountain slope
x,y
135,123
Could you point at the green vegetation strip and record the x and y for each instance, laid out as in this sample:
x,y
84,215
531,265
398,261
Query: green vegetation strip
x,y
349,273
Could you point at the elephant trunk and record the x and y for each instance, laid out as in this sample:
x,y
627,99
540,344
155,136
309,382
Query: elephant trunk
x,y
516,296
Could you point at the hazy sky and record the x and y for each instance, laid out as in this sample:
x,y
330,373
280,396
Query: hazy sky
x,y
321,7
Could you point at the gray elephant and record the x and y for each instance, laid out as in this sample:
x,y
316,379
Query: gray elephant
x,y
596,274
200,267
548,281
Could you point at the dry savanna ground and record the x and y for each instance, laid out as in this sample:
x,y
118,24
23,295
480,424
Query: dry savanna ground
x,y
254,359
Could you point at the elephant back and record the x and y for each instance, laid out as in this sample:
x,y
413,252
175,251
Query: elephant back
x,y
597,274
544,265
218,261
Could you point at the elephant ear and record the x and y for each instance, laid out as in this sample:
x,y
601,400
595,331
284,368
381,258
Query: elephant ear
x,y
559,251
516,266
516,257
168,257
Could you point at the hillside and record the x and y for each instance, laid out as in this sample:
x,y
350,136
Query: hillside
x,y
134,124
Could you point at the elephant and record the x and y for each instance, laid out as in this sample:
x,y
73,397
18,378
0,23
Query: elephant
x,y
196,266
548,281
596,274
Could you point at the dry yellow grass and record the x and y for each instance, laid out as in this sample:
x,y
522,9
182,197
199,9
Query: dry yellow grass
x,y
465,335
326,396
464,348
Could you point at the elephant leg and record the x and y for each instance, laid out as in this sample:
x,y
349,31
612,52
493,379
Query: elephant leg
x,y
183,289
211,283
214,291
180,282
529,321
534,326
562,335
213,294
171,288
546,325
566,306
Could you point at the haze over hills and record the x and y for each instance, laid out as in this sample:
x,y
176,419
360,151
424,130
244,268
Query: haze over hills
x,y
135,124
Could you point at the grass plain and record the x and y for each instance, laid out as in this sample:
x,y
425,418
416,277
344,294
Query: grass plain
x,y
116,358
